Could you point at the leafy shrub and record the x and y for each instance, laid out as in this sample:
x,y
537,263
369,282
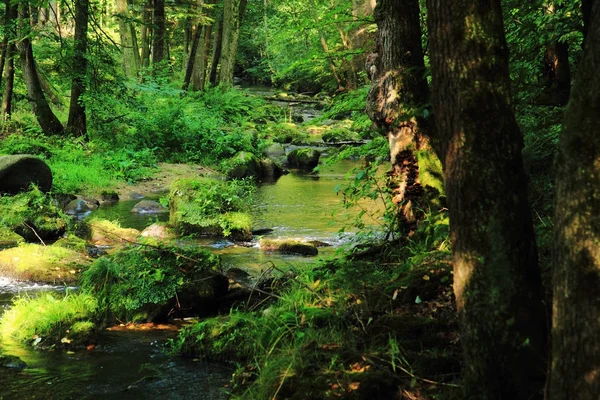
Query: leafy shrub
x,y
145,283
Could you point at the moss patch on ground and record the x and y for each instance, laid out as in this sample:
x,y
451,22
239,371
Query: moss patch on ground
x,y
44,264
289,246
104,232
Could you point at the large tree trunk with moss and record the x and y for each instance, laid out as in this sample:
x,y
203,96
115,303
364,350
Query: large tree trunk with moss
x,y
398,96
77,118
497,279
129,65
576,269
46,118
233,11
199,73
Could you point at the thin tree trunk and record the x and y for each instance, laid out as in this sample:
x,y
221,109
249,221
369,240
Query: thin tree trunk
x,y
497,280
576,269
192,56
399,89
9,79
216,56
158,36
334,72
46,118
144,34
77,117
135,48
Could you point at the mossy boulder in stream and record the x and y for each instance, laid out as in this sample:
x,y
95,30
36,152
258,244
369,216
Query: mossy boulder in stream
x,y
107,233
289,246
44,264
18,172
8,238
304,159
210,207
144,283
33,215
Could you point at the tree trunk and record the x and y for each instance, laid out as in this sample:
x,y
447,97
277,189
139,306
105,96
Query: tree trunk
x,y
233,11
332,66
158,36
556,74
576,269
77,118
586,10
497,280
398,91
10,36
144,34
46,118
199,73
129,66
216,56
199,31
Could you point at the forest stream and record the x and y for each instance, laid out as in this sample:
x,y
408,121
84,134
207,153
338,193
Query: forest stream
x,y
131,364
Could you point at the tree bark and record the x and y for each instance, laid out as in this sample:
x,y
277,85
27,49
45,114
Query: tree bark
x,y
575,370
497,280
233,11
77,117
144,34
199,73
10,36
216,56
158,36
396,100
557,74
129,66
46,118
199,31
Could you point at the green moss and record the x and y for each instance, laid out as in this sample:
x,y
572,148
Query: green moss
x,y
38,263
72,242
244,165
430,170
9,238
289,246
147,283
211,207
105,232
33,215
50,320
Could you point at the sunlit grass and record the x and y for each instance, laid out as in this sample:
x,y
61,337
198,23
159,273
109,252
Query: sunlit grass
x,y
49,319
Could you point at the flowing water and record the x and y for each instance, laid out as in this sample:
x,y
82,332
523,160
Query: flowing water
x,y
131,364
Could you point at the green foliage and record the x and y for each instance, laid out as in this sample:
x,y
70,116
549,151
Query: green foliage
x,y
351,105
51,320
136,283
201,205
32,210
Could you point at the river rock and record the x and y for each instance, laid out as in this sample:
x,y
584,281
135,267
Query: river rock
x,y
270,169
159,231
288,246
149,207
77,208
245,165
275,151
12,362
109,198
304,159
18,172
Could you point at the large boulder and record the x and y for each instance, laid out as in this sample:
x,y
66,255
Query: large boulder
x,y
304,159
18,172
288,247
149,207
245,165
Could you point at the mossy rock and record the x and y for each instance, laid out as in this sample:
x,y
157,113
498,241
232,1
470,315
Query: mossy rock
x,y
19,172
12,362
107,233
285,133
160,231
44,264
289,247
335,135
141,283
244,165
9,238
209,207
270,169
304,159
149,207
275,150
